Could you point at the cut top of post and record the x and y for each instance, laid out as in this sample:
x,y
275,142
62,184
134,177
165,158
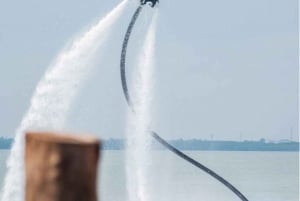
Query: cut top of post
x,y
63,138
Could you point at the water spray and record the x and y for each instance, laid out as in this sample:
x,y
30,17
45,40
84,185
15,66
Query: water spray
x,y
54,95
153,133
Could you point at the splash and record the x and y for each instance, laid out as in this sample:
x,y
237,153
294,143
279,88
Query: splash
x,y
53,96
138,155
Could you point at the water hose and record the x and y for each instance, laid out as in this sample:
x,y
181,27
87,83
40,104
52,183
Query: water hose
x,y
154,134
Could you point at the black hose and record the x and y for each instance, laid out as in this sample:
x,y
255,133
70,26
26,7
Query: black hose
x,y
123,55
154,134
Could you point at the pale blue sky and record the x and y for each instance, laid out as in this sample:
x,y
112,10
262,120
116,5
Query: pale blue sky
x,y
227,68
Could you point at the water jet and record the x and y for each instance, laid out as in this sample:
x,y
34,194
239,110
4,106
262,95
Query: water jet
x,y
54,95
155,135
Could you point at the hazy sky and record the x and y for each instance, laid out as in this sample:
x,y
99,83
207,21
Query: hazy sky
x,y
223,68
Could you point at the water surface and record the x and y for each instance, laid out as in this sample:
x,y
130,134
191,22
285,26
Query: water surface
x,y
261,176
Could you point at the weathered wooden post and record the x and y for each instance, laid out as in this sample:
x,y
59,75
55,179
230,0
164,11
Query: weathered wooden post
x,y
61,167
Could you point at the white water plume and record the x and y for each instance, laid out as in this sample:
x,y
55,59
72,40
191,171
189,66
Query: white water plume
x,y
138,136
54,94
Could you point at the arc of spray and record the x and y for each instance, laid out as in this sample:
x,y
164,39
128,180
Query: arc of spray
x,y
153,133
54,94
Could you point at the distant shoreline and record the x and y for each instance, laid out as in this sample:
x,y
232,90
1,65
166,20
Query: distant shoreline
x,y
213,145
196,145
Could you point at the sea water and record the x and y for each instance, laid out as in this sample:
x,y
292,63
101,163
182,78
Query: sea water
x,y
261,176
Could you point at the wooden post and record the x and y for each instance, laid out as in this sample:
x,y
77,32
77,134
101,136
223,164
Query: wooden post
x,y
61,167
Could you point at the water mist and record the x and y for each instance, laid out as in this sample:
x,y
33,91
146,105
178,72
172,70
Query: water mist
x,y
53,96
138,138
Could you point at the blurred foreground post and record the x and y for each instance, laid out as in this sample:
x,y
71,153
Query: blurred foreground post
x,y
60,167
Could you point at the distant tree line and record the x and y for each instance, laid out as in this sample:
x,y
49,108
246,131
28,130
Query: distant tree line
x,y
196,144
260,145
5,143
211,145
113,144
